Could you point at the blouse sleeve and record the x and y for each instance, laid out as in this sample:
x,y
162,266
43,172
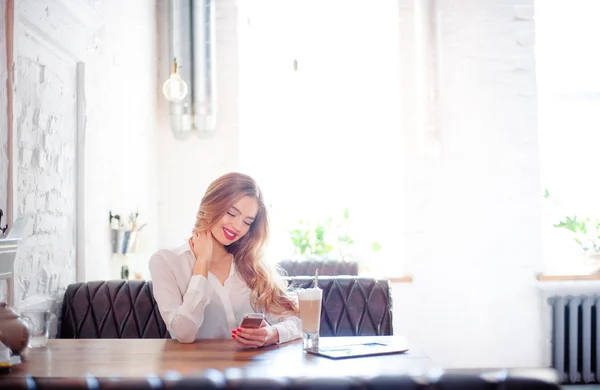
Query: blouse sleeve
x,y
289,327
182,315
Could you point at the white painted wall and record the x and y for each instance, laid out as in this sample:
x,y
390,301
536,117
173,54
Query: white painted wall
x,y
186,168
474,300
121,154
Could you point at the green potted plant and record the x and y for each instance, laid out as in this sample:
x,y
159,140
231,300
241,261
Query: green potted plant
x,y
310,239
585,231
329,239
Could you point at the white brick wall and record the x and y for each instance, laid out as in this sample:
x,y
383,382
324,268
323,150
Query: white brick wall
x,y
45,142
116,41
3,112
3,123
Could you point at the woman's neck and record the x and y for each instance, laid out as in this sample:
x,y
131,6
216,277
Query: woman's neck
x,y
220,254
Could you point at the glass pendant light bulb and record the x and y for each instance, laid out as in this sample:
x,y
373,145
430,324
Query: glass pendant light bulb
x,y
175,89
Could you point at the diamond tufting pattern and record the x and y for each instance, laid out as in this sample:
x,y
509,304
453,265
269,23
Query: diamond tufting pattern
x,y
352,305
325,267
111,309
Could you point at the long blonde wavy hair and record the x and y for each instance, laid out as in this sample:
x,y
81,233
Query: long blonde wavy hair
x,y
268,290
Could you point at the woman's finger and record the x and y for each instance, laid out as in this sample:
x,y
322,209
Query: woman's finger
x,y
202,237
259,335
247,342
252,333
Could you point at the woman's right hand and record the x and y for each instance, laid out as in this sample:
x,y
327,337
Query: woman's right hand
x,y
202,247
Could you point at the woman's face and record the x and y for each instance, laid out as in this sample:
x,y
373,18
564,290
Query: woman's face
x,y
236,222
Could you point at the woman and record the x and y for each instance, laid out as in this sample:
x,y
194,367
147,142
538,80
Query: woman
x,y
204,287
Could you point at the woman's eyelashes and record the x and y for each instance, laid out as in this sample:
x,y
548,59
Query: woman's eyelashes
x,y
233,215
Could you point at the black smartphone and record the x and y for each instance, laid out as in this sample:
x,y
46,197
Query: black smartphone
x,y
252,320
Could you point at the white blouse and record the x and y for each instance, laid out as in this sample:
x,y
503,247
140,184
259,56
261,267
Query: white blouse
x,y
194,307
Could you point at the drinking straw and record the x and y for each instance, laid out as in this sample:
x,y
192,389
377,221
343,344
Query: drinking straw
x,y
316,278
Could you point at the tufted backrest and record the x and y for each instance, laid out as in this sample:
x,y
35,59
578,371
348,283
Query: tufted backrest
x,y
325,267
352,305
111,309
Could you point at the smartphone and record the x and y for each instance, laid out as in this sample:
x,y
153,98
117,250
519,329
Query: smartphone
x,y
252,320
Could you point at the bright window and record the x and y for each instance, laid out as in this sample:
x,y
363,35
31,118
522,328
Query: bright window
x,y
568,77
320,125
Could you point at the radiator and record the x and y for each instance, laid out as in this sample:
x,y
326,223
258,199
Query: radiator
x,y
575,341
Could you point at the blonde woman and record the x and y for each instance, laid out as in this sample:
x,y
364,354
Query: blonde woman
x,y
205,287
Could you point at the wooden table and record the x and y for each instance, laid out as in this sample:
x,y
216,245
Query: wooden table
x,y
71,358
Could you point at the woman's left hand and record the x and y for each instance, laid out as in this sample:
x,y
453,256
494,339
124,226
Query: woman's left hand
x,y
258,337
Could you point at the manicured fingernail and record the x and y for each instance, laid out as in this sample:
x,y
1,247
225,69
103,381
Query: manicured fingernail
x,y
234,331
233,336
239,329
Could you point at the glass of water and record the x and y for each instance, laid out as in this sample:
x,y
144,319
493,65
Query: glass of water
x,y
38,322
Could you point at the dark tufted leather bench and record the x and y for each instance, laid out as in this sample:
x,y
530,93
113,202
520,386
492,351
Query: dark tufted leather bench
x,y
352,306
325,267
532,379
111,309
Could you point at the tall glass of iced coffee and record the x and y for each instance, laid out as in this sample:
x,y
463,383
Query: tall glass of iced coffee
x,y
310,313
